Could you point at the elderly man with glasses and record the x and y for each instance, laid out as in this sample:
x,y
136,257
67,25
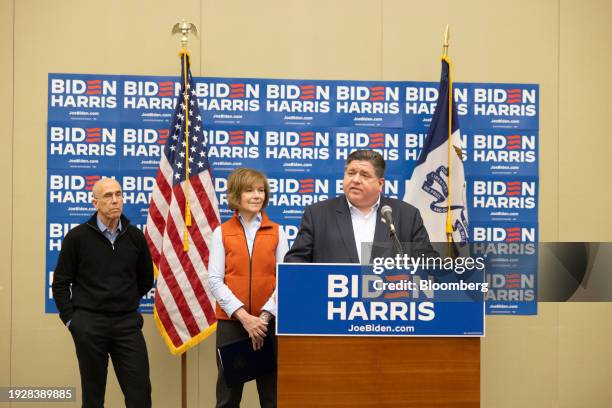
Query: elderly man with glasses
x,y
103,270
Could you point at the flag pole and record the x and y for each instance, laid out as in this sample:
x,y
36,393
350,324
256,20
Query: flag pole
x,y
184,28
449,222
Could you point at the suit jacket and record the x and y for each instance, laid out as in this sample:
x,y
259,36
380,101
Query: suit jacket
x,y
326,233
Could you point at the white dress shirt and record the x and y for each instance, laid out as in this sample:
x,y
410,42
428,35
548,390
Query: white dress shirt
x,y
216,266
364,226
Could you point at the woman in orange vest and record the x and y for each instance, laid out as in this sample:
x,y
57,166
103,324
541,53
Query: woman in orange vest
x,y
242,272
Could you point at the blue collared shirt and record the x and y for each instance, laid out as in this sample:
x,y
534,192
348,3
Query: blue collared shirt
x,y
216,266
112,236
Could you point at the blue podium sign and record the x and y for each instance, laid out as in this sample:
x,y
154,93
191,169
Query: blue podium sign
x,y
352,300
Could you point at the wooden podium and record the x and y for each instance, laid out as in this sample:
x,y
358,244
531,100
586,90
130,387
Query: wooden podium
x,y
317,371
343,370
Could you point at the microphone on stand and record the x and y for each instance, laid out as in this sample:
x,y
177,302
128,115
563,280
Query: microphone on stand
x,y
387,218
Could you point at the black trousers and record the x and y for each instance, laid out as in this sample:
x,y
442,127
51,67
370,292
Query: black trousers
x,y
96,337
227,332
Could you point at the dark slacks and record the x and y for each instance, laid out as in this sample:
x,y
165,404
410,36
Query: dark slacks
x,y
96,337
227,332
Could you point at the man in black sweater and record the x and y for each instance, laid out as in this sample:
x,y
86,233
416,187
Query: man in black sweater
x,y
103,270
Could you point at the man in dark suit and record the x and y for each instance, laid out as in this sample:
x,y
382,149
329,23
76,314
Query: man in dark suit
x,y
338,230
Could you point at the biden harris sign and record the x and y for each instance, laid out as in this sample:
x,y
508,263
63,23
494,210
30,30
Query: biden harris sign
x,y
351,299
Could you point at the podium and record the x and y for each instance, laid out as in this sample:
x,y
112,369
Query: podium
x,y
368,371
378,372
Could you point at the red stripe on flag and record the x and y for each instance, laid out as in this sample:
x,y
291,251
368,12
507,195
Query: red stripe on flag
x,y
152,248
164,187
207,206
194,230
189,270
166,321
200,244
179,297
160,223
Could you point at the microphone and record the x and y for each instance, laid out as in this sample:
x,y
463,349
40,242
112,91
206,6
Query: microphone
x,y
387,218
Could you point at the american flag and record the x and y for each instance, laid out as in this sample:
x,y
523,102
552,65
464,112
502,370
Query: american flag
x,y
184,310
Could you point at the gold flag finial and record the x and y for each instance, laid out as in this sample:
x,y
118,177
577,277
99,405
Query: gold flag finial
x,y
184,28
446,38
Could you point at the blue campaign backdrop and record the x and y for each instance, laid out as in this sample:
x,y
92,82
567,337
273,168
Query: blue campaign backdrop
x,y
299,132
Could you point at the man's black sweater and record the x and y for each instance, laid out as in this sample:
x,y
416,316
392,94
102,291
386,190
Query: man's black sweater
x,y
105,277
